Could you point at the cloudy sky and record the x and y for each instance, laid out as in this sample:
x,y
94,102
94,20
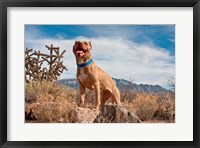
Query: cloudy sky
x,y
145,53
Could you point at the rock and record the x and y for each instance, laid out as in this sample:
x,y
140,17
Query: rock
x,y
81,115
116,114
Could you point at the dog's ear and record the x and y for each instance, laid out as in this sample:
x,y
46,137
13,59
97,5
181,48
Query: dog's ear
x,y
90,43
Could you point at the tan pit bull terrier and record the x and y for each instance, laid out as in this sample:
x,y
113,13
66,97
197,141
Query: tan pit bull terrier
x,y
90,76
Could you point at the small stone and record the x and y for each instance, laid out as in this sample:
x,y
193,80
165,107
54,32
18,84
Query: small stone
x,y
81,115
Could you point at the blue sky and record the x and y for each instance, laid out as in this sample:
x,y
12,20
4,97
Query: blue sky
x,y
145,53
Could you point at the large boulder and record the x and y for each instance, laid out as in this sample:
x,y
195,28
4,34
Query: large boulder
x,y
108,114
81,115
116,114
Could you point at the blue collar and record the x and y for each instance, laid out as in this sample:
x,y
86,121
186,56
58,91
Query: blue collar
x,y
85,64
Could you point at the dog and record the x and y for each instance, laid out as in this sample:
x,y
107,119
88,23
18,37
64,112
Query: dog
x,y
90,76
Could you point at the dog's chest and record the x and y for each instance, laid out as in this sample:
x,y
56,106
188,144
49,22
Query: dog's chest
x,y
85,79
83,76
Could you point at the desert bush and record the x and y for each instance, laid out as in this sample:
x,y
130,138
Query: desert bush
x,y
145,105
166,107
127,95
48,101
153,106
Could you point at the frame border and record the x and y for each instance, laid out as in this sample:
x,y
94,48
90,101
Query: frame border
x,y
99,3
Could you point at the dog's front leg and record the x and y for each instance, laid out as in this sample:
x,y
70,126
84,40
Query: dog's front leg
x,y
82,94
97,92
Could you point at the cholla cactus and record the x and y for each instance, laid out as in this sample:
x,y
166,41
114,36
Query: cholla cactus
x,y
35,60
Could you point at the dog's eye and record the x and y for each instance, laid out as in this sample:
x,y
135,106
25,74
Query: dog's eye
x,y
85,43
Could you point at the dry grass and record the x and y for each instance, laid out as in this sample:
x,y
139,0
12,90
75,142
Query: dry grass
x,y
145,106
47,101
149,107
166,107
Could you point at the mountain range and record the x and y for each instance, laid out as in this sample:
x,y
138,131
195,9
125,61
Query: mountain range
x,y
121,84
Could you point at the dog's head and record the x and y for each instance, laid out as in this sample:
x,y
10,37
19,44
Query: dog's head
x,y
82,48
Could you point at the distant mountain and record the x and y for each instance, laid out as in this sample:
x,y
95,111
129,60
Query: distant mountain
x,y
121,84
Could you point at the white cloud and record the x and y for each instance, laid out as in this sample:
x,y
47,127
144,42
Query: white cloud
x,y
118,57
